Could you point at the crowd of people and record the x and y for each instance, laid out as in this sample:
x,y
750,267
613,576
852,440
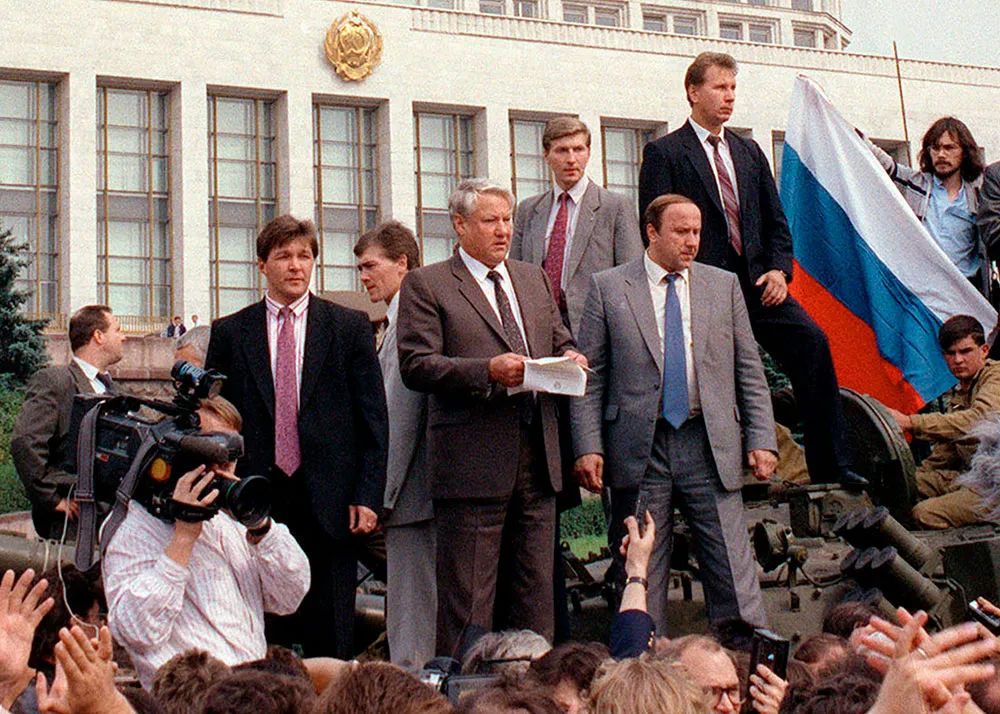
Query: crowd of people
x,y
422,431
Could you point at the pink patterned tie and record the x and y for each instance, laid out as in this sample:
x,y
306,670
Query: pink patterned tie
x,y
287,456
557,247
728,197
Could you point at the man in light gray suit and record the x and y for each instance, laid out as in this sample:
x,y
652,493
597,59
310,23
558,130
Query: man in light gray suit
x,y
385,255
676,398
577,228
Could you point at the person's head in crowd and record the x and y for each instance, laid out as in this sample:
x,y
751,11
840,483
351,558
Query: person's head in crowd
x,y
844,693
84,595
482,215
257,693
507,652
948,147
94,336
986,692
799,674
733,633
193,345
277,653
710,85
509,697
385,255
710,667
963,343
379,688
822,652
177,320
845,617
566,148
568,671
672,224
145,703
642,685
286,251
181,683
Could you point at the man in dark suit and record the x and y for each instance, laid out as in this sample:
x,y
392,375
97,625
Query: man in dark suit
x,y
744,231
304,374
466,326
385,255
577,228
38,443
676,400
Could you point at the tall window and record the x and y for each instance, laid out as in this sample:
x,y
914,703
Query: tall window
x,y
528,167
622,157
29,185
242,190
443,156
345,158
133,206
803,37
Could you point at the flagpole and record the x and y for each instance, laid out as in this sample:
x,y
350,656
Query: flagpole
x,y
902,104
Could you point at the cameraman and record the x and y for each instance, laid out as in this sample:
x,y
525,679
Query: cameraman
x,y
206,585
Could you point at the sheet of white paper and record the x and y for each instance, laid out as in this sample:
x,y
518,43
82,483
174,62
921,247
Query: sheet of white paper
x,y
555,375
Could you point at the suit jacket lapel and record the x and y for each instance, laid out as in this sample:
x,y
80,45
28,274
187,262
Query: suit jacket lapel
x,y
539,227
741,160
699,160
641,304
584,228
255,344
80,380
319,333
699,313
470,290
532,327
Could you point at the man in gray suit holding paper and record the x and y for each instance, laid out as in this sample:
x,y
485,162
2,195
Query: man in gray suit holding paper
x,y
579,227
385,255
677,397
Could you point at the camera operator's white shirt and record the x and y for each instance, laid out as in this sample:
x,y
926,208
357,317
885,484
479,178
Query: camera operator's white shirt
x,y
157,609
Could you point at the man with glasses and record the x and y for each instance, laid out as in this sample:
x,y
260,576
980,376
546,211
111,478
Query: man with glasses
x,y
712,668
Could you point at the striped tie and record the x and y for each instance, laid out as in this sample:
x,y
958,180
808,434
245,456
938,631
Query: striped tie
x,y
728,196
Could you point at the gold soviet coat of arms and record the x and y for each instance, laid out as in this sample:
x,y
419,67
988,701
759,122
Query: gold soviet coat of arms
x,y
353,46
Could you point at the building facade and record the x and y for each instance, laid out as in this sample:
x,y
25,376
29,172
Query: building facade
x,y
144,144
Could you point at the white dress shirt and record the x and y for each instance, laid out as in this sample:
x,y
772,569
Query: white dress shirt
x,y
656,277
91,372
479,271
572,213
157,608
300,311
727,158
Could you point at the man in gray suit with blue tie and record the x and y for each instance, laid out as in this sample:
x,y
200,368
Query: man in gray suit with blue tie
x,y
676,399
385,255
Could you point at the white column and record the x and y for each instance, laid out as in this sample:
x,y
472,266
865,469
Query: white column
x,y
397,187
493,144
295,154
189,200
634,19
595,167
78,176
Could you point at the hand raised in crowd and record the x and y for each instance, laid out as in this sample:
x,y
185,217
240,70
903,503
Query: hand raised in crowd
x,y
20,613
763,462
85,677
775,288
926,673
589,472
507,369
767,690
363,520
637,550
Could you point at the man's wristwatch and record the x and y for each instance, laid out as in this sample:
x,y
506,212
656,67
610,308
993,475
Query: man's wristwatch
x,y
637,579
261,530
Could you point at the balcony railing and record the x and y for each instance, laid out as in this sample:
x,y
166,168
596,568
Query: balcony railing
x,y
142,324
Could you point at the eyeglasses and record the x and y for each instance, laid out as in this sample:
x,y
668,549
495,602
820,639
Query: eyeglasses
x,y
734,693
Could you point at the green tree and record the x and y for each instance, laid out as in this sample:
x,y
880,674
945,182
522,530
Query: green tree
x,y
22,347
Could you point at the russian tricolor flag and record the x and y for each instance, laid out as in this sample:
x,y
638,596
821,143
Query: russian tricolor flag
x,y
866,270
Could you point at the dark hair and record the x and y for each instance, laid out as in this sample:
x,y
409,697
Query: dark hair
x,y
658,206
394,239
142,702
844,617
83,589
509,696
576,662
839,694
733,633
251,692
958,328
563,126
379,688
972,162
818,647
695,74
283,230
85,322
183,680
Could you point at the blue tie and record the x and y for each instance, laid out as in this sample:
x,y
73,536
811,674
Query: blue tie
x,y
675,388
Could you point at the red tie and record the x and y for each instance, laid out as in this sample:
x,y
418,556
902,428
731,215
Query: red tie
x,y
287,456
557,247
728,197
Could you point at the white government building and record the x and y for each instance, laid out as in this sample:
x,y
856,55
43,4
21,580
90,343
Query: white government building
x,y
143,144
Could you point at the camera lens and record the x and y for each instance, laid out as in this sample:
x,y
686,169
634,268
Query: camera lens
x,y
248,500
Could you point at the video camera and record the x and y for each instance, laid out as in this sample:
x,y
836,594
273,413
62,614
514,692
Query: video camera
x,y
130,447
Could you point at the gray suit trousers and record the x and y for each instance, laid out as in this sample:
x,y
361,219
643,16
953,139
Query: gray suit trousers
x,y
681,472
411,596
